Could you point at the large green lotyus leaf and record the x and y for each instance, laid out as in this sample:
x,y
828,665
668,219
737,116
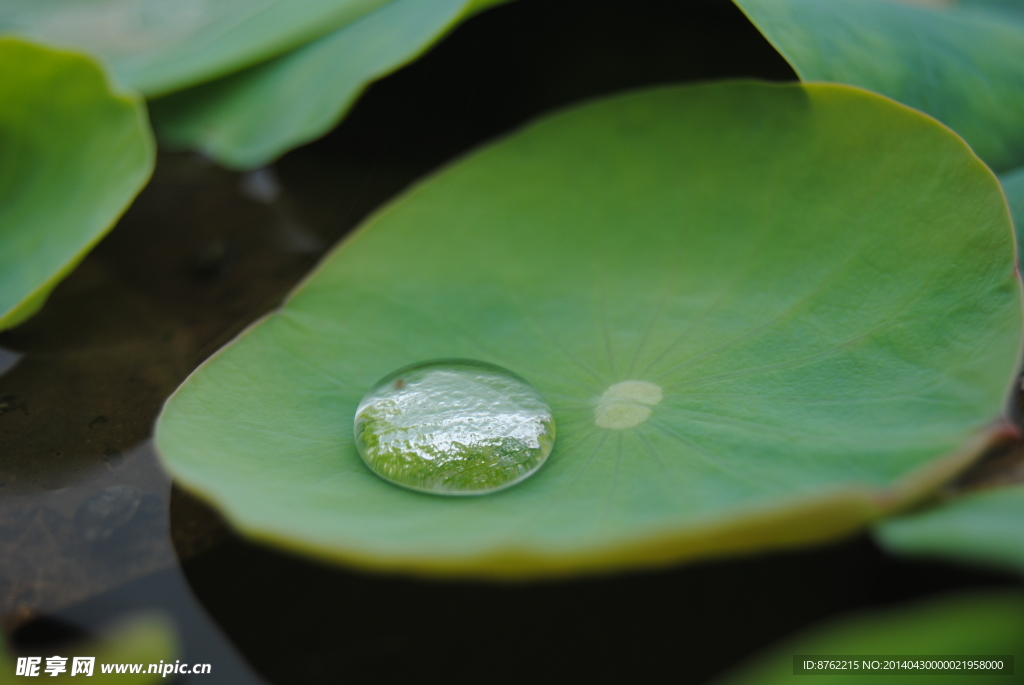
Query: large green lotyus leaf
x,y
963,65
984,527
158,46
981,625
73,155
250,118
818,280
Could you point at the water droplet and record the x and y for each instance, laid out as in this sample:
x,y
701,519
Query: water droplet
x,y
454,427
626,404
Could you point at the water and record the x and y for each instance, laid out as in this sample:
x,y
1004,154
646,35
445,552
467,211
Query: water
x,y
454,427
103,514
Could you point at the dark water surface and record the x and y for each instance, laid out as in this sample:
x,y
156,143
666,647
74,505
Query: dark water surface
x,y
91,529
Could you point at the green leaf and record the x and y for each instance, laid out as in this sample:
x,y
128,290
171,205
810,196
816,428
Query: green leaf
x,y
985,527
963,66
1011,10
250,118
818,279
158,46
73,155
978,624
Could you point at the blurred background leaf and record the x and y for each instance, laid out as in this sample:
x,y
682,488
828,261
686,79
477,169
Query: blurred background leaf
x,y
74,155
250,118
158,46
962,65
970,624
137,639
1013,186
984,527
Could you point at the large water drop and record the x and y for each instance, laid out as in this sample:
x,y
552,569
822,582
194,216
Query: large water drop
x,y
454,427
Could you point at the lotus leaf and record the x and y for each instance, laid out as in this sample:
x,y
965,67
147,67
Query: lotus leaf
x,y
818,281
247,119
985,527
73,154
158,46
979,624
962,65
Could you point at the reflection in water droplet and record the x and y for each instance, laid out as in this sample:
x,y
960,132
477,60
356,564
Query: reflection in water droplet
x,y
454,427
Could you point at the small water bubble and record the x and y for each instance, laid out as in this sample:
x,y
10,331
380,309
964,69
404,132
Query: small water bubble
x,y
454,427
